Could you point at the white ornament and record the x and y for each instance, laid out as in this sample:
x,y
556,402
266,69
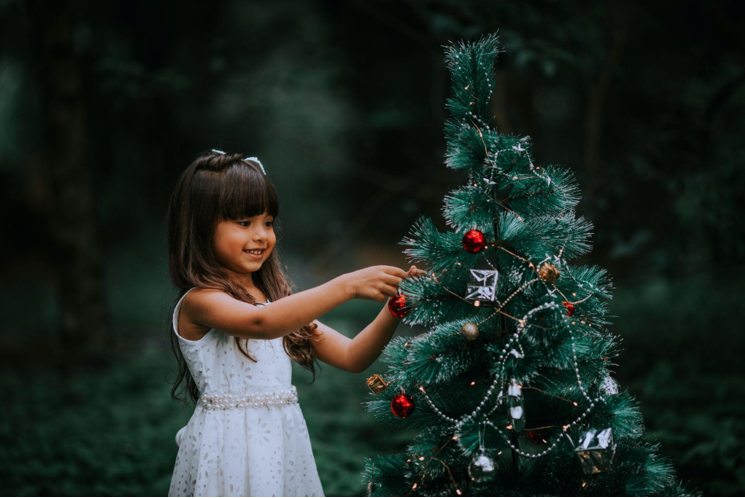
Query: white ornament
x,y
482,285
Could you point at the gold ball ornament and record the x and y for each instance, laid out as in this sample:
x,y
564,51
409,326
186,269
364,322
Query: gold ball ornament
x,y
549,273
470,331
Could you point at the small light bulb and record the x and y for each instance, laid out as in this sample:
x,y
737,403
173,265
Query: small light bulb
x,y
455,438
414,486
473,383
509,427
421,459
457,491
477,303
575,403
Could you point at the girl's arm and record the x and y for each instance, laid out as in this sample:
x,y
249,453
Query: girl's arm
x,y
355,355
216,309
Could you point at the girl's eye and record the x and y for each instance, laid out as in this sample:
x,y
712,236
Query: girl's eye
x,y
245,223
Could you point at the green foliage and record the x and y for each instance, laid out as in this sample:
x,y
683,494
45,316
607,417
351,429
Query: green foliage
x,y
110,431
459,386
91,432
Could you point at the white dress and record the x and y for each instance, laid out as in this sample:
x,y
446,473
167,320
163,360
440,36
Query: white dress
x,y
253,444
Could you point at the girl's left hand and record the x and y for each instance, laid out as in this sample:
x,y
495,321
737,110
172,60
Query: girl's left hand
x,y
415,272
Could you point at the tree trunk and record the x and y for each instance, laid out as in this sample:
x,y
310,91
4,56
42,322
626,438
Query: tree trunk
x,y
75,248
595,114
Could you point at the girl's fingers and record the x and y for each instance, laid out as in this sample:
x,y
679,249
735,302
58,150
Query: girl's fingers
x,y
396,272
414,271
389,290
391,280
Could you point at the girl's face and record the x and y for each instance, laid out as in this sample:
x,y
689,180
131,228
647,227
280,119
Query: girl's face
x,y
243,245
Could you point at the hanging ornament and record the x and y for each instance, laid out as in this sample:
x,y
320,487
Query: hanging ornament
x,y
569,307
371,487
609,386
549,273
377,384
402,405
482,468
482,285
537,437
470,331
474,241
397,305
596,450
516,414
517,354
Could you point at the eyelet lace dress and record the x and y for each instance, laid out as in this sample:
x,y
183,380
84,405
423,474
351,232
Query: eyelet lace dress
x,y
247,436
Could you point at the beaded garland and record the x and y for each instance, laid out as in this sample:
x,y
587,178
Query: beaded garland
x,y
227,401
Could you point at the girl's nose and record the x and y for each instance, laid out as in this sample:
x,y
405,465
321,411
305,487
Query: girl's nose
x,y
260,234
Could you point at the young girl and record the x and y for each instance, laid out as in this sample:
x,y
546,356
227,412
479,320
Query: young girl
x,y
236,326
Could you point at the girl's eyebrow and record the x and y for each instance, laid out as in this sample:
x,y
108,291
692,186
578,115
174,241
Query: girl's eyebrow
x,y
252,217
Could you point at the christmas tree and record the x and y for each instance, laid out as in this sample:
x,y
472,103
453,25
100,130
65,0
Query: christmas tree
x,y
510,387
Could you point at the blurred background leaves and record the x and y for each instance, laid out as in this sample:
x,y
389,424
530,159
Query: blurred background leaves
x,y
344,104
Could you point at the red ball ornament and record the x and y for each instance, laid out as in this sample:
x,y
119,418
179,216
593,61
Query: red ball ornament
x,y
537,437
569,307
397,305
402,405
474,241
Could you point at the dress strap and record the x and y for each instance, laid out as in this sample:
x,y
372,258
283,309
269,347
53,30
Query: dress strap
x,y
176,311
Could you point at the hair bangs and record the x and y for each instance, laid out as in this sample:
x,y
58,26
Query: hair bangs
x,y
246,192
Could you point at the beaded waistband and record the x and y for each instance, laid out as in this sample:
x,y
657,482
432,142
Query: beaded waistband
x,y
225,401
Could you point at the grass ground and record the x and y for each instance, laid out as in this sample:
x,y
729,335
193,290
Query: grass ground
x,y
110,431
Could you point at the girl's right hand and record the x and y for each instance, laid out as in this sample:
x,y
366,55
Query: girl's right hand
x,y
376,283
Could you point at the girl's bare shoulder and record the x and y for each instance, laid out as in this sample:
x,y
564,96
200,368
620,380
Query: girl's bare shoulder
x,y
189,328
198,301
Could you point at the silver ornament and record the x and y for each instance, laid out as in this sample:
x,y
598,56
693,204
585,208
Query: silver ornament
x,y
515,406
609,386
482,285
596,450
482,469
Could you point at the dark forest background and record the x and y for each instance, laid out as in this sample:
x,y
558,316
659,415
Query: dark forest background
x,y
103,104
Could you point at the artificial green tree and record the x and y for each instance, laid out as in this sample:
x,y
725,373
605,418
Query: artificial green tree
x,y
510,387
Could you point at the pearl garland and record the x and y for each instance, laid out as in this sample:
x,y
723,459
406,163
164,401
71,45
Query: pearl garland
x,y
505,354
227,401
520,328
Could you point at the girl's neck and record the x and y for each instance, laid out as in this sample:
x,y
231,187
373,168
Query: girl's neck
x,y
245,280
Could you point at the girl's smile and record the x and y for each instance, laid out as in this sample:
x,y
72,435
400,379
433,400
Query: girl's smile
x,y
256,254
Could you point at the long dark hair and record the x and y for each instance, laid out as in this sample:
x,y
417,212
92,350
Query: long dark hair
x,y
223,186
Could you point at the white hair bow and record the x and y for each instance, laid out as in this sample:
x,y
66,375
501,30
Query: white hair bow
x,y
216,151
